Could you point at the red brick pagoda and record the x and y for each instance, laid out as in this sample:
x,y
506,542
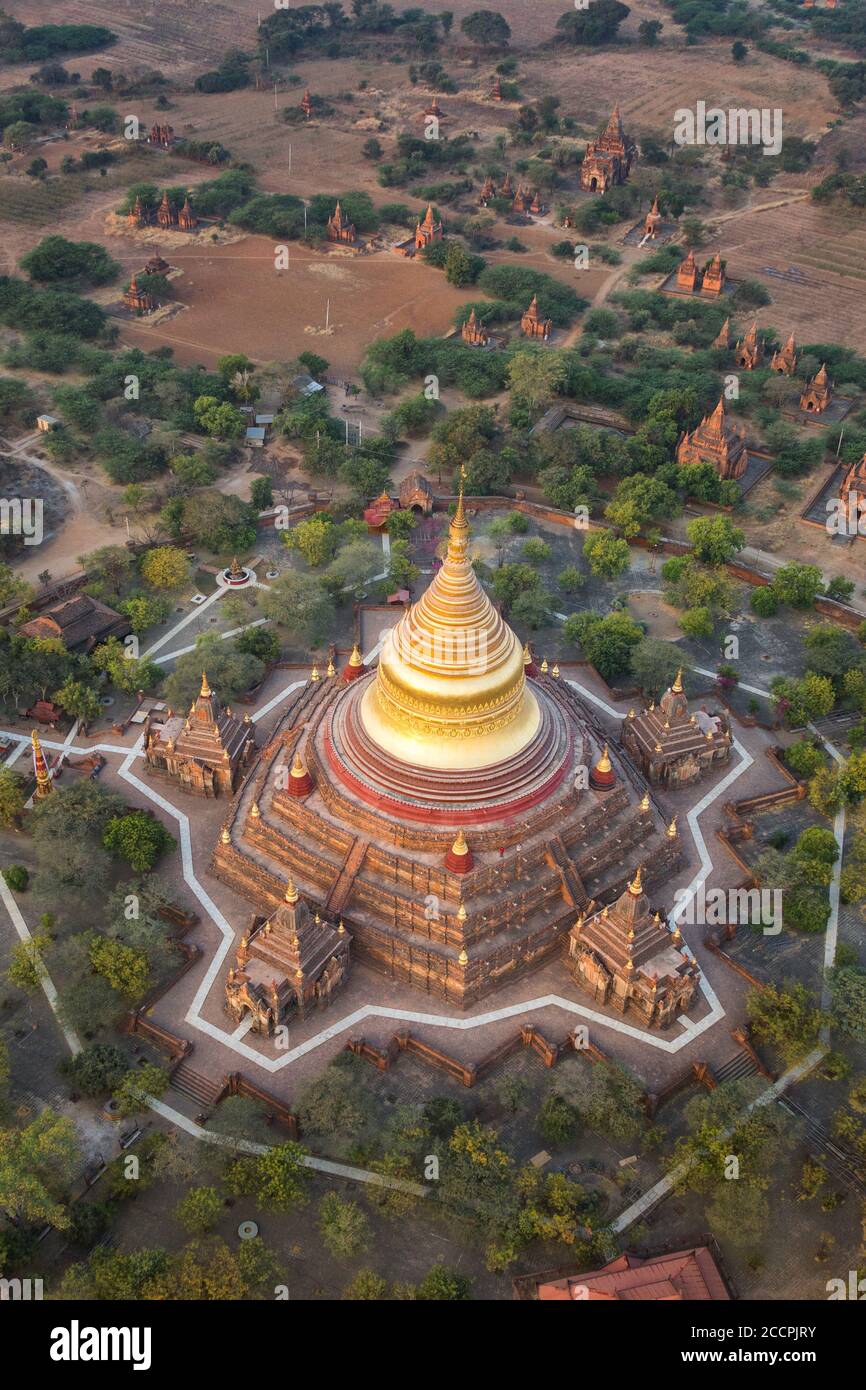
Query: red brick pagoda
x,y
205,753
749,351
818,393
672,747
532,325
628,959
288,964
608,159
784,360
715,441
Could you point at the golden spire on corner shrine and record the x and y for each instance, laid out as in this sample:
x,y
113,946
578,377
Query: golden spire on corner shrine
x,y
636,885
677,686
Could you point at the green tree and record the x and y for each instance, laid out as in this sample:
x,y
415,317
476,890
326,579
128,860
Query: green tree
x,y
139,838
136,1085
165,567
37,1163
486,27
316,539
199,1210
344,1228
125,970
11,797
606,554
786,1017
301,605
714,539
798,585
276,1179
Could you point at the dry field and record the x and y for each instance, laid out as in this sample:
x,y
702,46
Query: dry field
x,y
813,261
239,303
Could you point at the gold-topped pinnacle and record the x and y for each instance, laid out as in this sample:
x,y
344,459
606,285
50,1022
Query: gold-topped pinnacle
x,y
463,959
450,691
631,714
604,763
332,670
298,769
460,846
341,929
291,894
677,686
254,811
555,671
544,667
527,655
645,802
671,831
205,688
314,674
356,659
225,836
636,885
461,912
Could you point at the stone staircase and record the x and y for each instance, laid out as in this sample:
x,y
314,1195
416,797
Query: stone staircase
x,y
558,859
737,1067
193,1084
342,886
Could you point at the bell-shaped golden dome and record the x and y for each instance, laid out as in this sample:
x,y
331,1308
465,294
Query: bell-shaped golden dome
x,y
450,689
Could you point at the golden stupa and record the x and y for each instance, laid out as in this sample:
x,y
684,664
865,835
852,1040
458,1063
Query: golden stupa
x,y
450,689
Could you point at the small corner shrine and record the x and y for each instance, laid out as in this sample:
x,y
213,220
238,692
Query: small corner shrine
x,y
672,747
137,300
629,960
749,351
473,332
340,230
715,441
818,393
653,220
532,325
289,963
426,232
415,493
784,360
207,752
709,281
608,159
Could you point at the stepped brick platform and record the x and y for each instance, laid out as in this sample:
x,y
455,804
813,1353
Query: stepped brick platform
x,y
455,935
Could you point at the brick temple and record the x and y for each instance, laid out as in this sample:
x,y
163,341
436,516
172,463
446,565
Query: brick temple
x,y
288,964
443,817
673,747
532,325
608,159
715,441
204,753
626,958
818,393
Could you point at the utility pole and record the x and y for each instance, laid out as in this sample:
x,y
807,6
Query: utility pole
x,y
290,170
275,96
327,315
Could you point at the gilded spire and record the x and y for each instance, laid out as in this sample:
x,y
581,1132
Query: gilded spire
x,y
314,674
461,912
291,895
40,767
355,659
298,769
671,831
463,959
604,764
205,688
225,836
332,670
460,846
636,885
677,686
645,802
458,531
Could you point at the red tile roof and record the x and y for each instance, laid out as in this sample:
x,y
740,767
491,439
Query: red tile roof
x,y
680,1275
